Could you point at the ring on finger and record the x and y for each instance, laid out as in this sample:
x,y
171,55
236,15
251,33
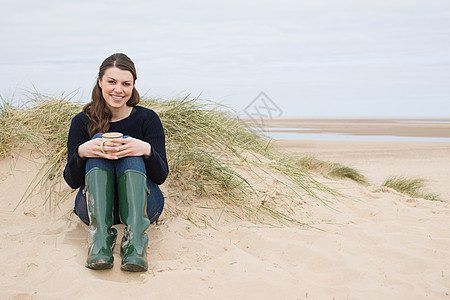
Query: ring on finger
x,y
101,147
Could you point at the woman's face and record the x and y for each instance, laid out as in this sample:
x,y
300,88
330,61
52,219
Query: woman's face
x,y
117,87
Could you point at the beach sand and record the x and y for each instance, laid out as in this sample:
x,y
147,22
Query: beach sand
x,y
374,244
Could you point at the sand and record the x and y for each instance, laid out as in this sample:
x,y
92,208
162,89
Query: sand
x,y
375,244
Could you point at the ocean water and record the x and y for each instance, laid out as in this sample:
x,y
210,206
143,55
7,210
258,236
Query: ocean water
x,y
423,121
293,134
350,137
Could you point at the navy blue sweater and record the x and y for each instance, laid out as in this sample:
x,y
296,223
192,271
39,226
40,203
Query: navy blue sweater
x,y
142,123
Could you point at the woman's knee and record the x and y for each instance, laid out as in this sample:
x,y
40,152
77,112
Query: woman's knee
x,y
130,163
100,163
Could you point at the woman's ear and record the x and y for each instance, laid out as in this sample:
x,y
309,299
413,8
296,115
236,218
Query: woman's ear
x,y
99,82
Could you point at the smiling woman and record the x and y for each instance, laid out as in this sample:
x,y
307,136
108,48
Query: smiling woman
x,y
117,87
117,178
116,77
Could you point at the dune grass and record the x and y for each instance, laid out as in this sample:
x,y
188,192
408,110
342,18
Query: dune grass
x,y
331,169
211,155
40,126
9,135
411,186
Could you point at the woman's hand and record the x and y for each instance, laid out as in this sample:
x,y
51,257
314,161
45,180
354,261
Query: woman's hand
x,y
132,147
114,148
93,148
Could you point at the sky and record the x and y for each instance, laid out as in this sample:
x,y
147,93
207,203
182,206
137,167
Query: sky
x,y
322,58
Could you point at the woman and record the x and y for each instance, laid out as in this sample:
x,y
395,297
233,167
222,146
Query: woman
x,y
117,178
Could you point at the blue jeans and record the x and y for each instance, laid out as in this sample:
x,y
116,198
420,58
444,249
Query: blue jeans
x,y
155,199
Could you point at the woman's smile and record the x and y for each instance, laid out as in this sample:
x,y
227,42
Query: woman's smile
x,y
117,98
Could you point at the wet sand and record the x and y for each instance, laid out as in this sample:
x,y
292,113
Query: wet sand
x,y
395,127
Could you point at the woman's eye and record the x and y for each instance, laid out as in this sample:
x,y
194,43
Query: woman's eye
x,y
111,81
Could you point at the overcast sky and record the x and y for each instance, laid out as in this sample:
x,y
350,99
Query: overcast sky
x,y
322,58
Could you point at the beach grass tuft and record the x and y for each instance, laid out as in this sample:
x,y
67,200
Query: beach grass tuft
x,y
411,186
331,169
215,161
10,134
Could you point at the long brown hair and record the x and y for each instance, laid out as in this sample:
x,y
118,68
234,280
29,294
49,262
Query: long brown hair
x,y
98,113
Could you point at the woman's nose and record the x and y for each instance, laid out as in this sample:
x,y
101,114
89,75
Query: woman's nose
x,y
118,88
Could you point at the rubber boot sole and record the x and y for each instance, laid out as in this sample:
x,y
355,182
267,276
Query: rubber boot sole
x,y
133,268
100,264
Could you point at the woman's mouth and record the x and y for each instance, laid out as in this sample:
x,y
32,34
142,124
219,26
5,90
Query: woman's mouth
x,y
117,98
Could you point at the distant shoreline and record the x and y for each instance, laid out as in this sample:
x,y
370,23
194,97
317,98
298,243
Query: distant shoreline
x,y
432,128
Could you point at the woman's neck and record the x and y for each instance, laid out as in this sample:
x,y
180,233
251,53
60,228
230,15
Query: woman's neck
x,y
121,114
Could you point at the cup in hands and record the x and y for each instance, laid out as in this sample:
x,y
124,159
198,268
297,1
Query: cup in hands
x,y
109,136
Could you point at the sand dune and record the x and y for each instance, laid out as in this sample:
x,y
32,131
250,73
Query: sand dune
x,y
374,244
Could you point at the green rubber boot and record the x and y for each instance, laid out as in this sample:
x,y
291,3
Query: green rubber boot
x,y
133,192
101,238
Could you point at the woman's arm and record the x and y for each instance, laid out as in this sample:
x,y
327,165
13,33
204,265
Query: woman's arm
x,y
152,146
156,163
75,167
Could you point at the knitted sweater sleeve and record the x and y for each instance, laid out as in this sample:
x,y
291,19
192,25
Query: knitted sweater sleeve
x,y
156,164
75,167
